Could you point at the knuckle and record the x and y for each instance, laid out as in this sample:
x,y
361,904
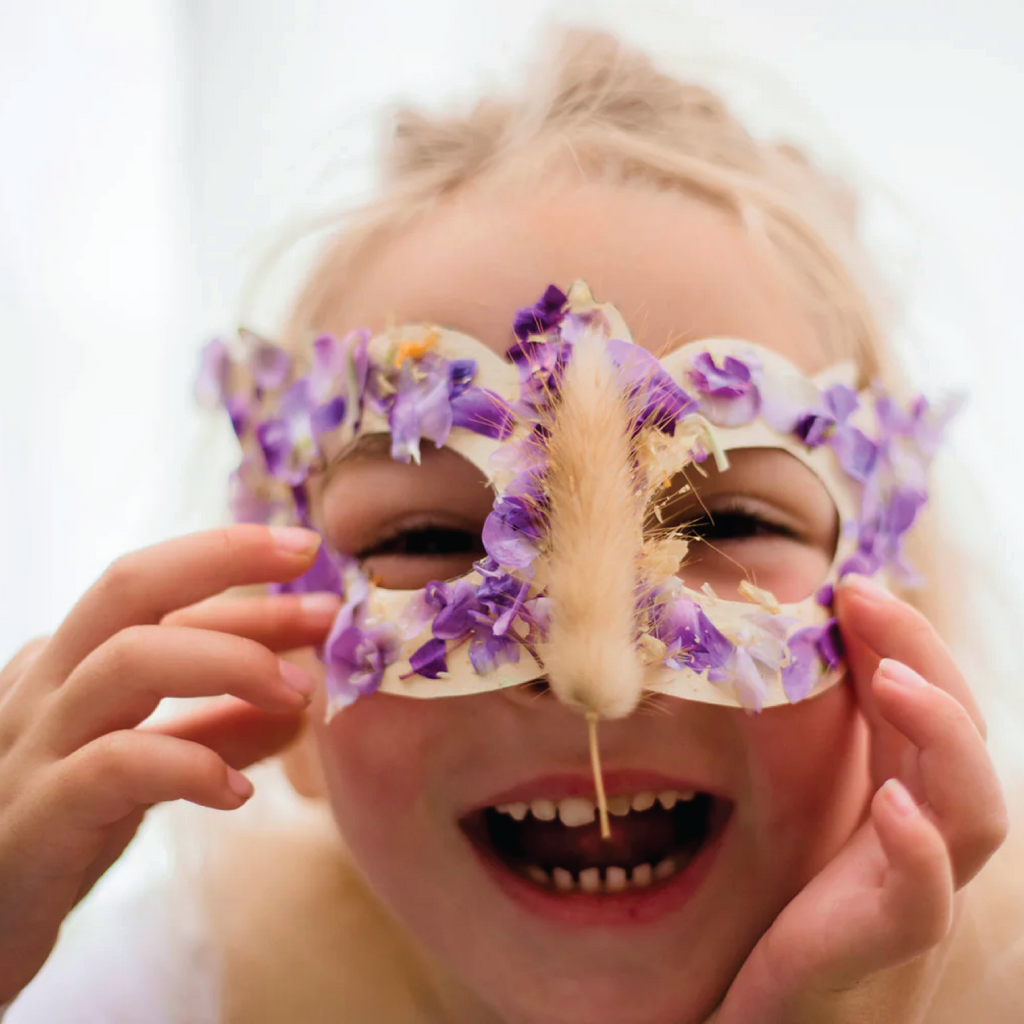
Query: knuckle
x,y
108,759
20,663
125,650
29,651
121,579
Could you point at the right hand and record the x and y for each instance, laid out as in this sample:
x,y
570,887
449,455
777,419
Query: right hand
x,y
78,770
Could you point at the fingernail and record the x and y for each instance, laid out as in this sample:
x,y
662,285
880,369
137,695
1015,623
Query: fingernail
x,y
900,675
239,784
319,604
899,799
297,679
296,540
868,589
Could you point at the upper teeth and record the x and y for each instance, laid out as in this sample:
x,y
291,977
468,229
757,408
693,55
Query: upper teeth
x,y
582,810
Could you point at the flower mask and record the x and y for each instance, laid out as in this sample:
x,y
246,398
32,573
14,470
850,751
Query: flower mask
x,y
597,453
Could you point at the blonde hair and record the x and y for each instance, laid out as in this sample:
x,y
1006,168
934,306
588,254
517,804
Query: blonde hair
x,y
601,109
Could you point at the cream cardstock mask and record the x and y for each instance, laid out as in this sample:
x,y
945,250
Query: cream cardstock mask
x,y
598,577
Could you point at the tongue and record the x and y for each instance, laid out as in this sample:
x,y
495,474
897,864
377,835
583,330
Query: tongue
x,y
637,838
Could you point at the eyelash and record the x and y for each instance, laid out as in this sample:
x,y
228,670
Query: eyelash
x,y
720,525
738,525
733,523
426,542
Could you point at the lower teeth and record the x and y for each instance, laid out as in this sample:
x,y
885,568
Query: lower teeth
x,y
612,879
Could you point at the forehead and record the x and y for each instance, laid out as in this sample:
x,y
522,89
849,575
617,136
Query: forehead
x,y
677,268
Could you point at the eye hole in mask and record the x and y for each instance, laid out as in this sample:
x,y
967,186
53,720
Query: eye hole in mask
x,y
767,520
412,523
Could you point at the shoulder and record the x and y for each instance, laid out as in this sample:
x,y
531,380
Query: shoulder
x,y
984,977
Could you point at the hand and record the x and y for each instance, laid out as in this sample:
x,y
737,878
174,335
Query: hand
x,y
78,770
836,951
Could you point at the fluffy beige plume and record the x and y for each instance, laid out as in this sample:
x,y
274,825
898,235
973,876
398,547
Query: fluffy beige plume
x,y
596,542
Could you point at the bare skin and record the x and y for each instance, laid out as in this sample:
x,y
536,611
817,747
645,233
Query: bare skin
x,y
830,904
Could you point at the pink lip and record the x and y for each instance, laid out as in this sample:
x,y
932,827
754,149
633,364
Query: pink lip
x,y
633,907
560,786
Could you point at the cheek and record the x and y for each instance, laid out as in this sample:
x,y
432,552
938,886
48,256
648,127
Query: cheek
x,y
809,777
380,757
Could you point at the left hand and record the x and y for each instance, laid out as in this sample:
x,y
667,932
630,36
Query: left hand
x,y
937,815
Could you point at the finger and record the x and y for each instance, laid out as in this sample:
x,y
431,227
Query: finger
x,y
9,677
146,585
281,622
23,657
959,781
240,733
908,906
104,782
916,898
121,683
889,628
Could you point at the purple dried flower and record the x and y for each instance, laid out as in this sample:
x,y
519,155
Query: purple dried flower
x,y
453,604
482,412
857,454
828,424
537,613
429,660
270,365
325,574
289,442
690,636
541,365
511,532
658,399
743,674
460,375
730,393
830,644
542,316
488,651
805,664
254,499
420,408
356,654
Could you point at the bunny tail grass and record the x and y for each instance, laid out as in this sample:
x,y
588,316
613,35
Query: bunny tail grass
x,y
596,542
595,764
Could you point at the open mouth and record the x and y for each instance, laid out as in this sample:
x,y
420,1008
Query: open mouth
x,y
557,844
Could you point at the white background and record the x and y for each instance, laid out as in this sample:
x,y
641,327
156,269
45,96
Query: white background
x,y
154,152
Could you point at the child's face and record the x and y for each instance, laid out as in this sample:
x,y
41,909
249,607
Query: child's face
x,y
407,776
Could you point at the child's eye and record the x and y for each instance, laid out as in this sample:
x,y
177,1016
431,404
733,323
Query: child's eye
x,y
427,542
736,539
409,558
736,524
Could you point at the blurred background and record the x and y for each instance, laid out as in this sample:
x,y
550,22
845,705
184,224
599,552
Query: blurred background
x,y
155,153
